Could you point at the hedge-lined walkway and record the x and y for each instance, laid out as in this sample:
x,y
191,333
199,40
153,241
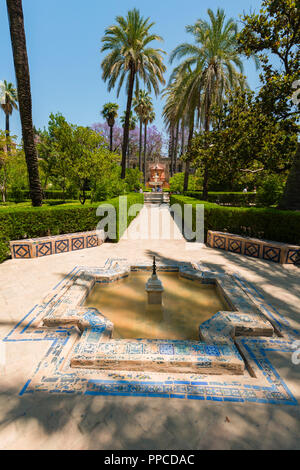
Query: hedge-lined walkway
x,y
57,422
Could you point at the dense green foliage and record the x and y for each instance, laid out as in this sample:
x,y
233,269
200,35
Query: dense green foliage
x,y
27,222
262,223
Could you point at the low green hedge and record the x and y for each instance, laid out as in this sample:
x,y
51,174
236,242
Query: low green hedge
x,y
236,199
47,193
262,223
32,222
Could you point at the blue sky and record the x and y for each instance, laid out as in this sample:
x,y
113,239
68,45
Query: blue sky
x,y
64,40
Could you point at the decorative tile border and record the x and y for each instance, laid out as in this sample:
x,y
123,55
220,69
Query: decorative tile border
x,y
45,246
260,383
270,251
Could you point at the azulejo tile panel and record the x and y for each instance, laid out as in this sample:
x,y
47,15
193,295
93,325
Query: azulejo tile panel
x,y
21,250
260,383
271,251
45,246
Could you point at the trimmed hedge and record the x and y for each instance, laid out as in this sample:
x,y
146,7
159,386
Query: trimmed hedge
x,y
261,223
32,222
47,194
235,199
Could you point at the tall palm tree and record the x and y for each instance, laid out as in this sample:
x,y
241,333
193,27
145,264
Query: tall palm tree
x,y
140,104
132,126
110,113
8,100
131,59
216,65
182,101
18,40
148,118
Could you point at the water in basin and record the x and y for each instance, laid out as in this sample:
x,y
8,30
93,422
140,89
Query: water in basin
x,y
186,304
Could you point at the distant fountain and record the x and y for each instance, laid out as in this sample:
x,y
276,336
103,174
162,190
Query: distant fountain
x,y
154,288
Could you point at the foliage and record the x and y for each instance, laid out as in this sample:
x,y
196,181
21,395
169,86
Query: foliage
x,y
130,59
246,142
177,183
114,186
275,29
270,192
77,156
262,223
27,222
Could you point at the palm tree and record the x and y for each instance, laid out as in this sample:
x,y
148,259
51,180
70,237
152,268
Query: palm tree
x,y
110,113
215,63
140,104
148,118
182,102
131,59
132,126
18,40
8,100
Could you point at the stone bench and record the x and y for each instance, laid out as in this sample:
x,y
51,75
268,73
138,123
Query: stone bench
x,y
262,249
56,244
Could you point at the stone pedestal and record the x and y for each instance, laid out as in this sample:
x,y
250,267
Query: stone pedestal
x,y
155,290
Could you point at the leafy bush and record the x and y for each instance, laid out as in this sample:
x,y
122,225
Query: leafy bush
x,y
17,194
262,223
271,190
31,222
177,183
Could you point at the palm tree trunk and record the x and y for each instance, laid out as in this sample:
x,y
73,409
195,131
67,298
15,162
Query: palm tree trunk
x,y
145,151
176,148
206,175
18,40
140,144
7,124
111,138
171,150
127,120
291,196
182,136
187,163
7,129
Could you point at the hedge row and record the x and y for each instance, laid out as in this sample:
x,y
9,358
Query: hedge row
x,y
32,222
236,199
262,223
24,194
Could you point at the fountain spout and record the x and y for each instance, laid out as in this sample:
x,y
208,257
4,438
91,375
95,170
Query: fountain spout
x,y
154,287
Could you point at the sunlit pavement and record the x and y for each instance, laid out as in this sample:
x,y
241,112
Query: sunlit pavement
x,y
55,422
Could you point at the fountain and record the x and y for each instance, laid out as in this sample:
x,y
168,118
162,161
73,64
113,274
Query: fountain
x,y
154,288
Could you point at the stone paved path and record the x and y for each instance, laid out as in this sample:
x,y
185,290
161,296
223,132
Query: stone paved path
x,y
55,422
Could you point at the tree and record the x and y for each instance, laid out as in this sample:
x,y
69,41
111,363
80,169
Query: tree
x,y
79,156
245,141
18,40
215,65
140,104
148,118
276,30
131,59
8,99
110,113
132,126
